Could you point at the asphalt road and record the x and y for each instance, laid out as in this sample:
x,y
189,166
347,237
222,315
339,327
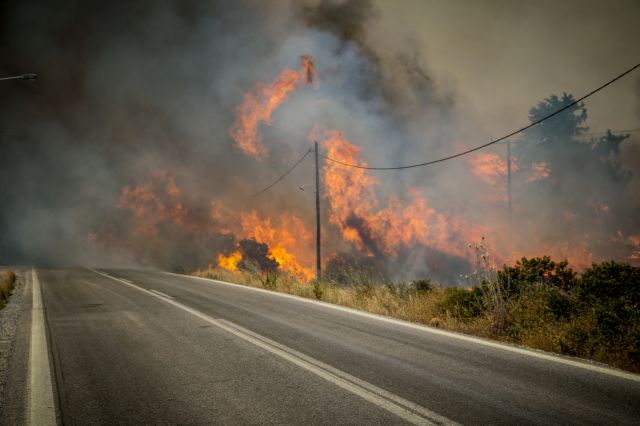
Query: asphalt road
x,y
154,348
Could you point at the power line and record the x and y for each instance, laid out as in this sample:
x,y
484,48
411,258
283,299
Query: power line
x,y
283,176
460,154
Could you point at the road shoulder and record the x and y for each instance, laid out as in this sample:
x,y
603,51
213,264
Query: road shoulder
x,y
14,356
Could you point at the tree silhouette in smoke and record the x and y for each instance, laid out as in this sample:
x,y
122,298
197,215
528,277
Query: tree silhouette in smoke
x,y
585,194
607,149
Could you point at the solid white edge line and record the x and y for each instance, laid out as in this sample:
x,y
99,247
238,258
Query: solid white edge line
x,y
346,376
41,403
548,356
407,410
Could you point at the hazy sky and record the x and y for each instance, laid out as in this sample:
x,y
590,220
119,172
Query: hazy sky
x,y
132,90
500,57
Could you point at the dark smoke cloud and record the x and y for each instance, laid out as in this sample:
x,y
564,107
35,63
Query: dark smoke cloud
x,y
127,89
347,20
124,89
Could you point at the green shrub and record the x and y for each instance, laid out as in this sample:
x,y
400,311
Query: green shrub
x,y
460,303
541,309
606,326
610,292
516,279
560,304
422,286
610,281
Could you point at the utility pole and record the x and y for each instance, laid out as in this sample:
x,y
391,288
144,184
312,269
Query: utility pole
x,y
318,256
509,179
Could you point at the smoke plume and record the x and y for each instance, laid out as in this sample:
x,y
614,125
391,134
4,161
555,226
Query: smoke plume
x,y
152,123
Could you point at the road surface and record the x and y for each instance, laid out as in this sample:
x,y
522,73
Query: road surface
x,y
148,347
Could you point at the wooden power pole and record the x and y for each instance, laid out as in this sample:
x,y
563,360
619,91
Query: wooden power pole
x,y
509,180
318,256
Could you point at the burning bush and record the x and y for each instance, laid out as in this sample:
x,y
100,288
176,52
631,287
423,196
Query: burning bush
x,y
255,255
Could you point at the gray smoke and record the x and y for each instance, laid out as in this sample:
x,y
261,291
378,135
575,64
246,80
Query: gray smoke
x,y
126,90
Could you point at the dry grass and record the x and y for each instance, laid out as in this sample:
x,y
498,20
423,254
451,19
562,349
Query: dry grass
x,y
283,283
7,284
377,299
524,320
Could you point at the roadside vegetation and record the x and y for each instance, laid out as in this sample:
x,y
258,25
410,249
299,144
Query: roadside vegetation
x,y
7,284
536,302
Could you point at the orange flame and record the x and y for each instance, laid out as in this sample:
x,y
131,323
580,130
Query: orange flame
x,y
230,263
355,209
538,171
288,242
260,102
490,167
308,68
371,226
157,201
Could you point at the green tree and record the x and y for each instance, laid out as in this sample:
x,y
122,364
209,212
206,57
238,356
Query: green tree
x,y
564,126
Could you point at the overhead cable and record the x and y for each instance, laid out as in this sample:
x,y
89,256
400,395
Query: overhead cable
x,y
282,176
477,148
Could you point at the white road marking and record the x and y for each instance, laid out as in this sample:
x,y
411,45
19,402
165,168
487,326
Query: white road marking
x,y
124,279
407,410
522,351
159,293
41,405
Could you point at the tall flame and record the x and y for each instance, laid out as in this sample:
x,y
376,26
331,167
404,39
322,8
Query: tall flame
x,y
288,242
375,227
260,102
356,210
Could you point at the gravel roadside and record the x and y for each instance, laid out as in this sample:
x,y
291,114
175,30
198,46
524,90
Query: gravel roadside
x,y
9,316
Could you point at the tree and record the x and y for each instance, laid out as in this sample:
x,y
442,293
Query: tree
x,y
584,192
554,135
562,127
607,149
